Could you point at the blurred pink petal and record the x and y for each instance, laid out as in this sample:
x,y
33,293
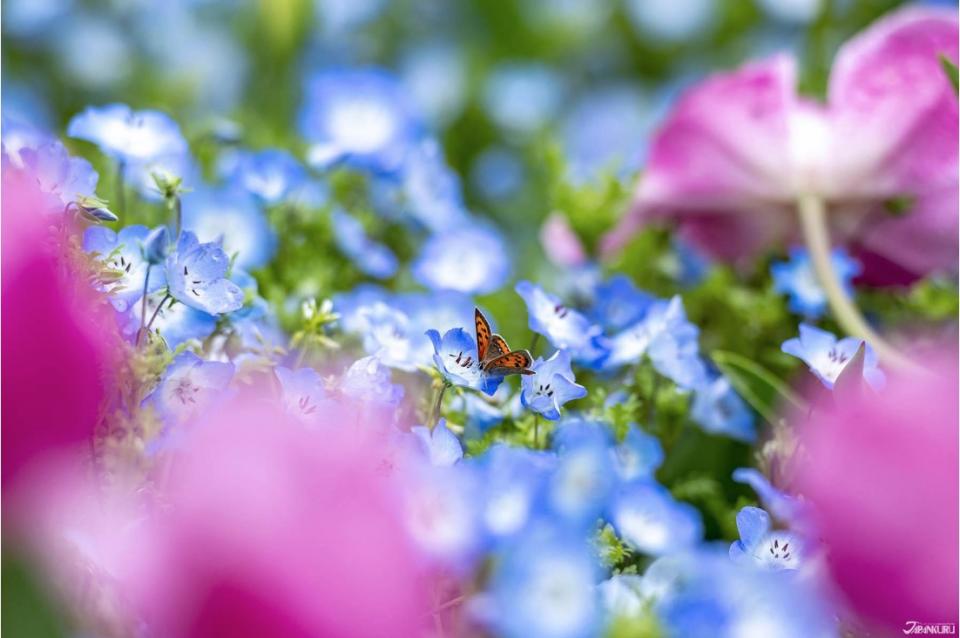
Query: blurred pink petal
x,y
560,243
58,337
880,471
741,146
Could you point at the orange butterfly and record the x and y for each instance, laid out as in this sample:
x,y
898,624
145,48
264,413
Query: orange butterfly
x,y
496,357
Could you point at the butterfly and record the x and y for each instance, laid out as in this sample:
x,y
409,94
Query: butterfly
x,y
496,357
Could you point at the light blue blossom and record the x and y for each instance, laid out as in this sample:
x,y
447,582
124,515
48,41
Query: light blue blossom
x,y
271,174
175,322
718,409
368,380
196,275
521,98
551,385
360,117
440,445
455,355
470,259
512,479
638,455
128,135
763,547
435,74
67,178
372,258
480,415
670,21
566,328
619,303
649,519
545,585
584,476
797,279
780,504
667,338
303,393
431,189
123,253
827,356
190,386
142,174
622,596
234,219
497,173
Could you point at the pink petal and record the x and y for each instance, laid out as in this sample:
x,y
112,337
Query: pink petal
x,y
560,243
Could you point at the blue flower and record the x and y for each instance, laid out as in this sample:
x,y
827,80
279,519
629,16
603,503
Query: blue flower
x,y
123,253
470,259
455,356
551,386
763,547
566,328
480,414
638,455
584,477
619,303
234,219
512,479
370,257
360,117
545,586
67,178
271,174
175,322
718,409
649,519
781,505
441,445
827,357
522,98
190,386
304,395
797,279
127,135
432,190
667,338
370,381
176,166
196,275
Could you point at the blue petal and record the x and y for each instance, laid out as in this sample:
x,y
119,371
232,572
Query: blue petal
x,y
753,523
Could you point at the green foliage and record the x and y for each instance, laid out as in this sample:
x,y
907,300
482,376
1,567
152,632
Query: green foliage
x,y
951,70
29,609
759,387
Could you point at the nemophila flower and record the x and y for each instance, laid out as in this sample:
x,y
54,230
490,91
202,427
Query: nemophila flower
x,y
692,264
128,135
303,394
67,178
190,386
440,445
431,189
718,409
783,506
480,415
455,355
522,98
662,21
232,218
544,585
762,546
271,174
371,257
739,150
471,259
711,596
123,253
566,328
498,173
176,322
368,380
512,480
551,385
638,455
827,356
181,166
196,276
667,338
360,117
874,465
798,281
621,595
583,477
647,517
618,303
435,74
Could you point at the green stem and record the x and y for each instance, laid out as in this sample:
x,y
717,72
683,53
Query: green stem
x,y
435,418
121,187
156,312
143,304
534,343
813,223
536,431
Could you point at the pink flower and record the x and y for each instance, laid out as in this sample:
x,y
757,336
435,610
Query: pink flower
x,y
739,149
560,243
880,471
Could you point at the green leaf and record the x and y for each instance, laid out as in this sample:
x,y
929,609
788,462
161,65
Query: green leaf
x,y
28,608
951,70
759,387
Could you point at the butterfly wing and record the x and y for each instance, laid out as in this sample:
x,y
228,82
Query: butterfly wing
x,y
483,333
497,348
516,362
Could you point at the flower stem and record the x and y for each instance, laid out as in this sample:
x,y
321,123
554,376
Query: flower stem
x,y
154,315
536,431
143,304
813,223
121,188
436,406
